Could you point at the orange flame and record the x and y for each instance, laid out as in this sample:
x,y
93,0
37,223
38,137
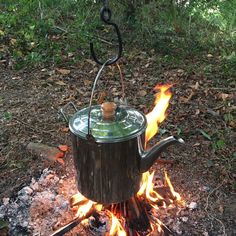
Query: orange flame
x,y
116,227
147,187
157,115
84,208
175,194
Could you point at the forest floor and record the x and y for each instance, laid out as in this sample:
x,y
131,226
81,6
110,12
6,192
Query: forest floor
x,y
201,111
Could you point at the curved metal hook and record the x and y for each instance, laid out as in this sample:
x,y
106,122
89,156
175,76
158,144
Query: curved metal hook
x,y
106,14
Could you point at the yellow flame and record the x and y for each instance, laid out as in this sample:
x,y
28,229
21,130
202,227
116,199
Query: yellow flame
x,y
157,115
116,227
147,187
175,194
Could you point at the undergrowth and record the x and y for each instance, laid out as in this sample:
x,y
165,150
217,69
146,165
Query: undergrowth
x,y
45,31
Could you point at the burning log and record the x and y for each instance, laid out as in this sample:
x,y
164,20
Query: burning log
x,y
138,217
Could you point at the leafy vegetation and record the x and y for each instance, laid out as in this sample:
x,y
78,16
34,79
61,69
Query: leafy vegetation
x,y
39,31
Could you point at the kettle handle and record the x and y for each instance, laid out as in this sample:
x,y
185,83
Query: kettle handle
x,y
91,97
62,110
93,89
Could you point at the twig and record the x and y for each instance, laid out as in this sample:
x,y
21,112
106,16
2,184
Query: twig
x,y
228,89
207,200
30,127
72,224
211,216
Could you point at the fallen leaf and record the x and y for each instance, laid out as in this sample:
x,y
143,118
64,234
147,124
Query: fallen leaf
x,y
93,63
63,71
65,129
205,134
87,82
180,71
142,93
224,96
195,86
101,97
13,41
60,83
221,209
2,33
15,78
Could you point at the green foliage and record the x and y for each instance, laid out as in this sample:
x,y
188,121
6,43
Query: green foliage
x,y
7,115
40,31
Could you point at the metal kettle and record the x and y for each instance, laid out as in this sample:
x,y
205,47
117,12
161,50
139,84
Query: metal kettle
x,y
108,150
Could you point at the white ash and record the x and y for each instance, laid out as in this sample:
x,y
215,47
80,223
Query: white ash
x,y
43,207
40,207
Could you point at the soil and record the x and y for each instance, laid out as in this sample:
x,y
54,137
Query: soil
x,y
201,111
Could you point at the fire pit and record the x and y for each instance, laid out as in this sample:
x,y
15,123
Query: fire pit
x,y
136,216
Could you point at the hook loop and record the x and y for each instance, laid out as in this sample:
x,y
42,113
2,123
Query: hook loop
x,y
105,15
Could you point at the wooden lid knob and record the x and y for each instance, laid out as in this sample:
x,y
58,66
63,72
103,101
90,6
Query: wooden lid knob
x,y
109,110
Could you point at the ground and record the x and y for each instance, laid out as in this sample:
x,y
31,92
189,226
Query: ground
x,y
201,112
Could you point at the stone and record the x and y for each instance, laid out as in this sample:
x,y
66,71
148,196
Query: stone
x,y
192,205
184,219
26,191
5,200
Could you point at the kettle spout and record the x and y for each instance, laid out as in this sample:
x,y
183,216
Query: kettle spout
x,y
149,157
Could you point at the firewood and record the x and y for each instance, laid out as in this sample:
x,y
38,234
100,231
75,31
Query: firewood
x,y
45,152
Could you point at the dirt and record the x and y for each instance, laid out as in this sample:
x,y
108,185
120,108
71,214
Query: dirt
x,y
204,168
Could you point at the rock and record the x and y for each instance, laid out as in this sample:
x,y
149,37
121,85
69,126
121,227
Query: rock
x,y
35,186
176,228
184,219
204,189
5,200
26,191
180,71
25,224
192,205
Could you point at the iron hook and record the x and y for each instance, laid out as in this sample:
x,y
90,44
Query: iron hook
x,y
106,14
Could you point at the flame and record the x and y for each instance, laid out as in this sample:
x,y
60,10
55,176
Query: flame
x,y
157,115
175,194
82,209
116,227
147,187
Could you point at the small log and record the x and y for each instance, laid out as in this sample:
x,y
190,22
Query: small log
x,y
46,152
66,228
138,216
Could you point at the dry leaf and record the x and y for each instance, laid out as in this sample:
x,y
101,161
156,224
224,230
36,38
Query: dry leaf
x,y
195,86
13,41
63,71
15,78
101,97
91,62
60,83
87,82
224,96
65,129
142,93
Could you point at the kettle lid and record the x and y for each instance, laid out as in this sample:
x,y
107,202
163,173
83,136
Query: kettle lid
x,y
127,123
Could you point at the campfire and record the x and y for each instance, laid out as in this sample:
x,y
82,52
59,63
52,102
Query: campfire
x,y
139,214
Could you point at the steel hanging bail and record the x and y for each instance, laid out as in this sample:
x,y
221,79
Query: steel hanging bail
x,y
105,14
